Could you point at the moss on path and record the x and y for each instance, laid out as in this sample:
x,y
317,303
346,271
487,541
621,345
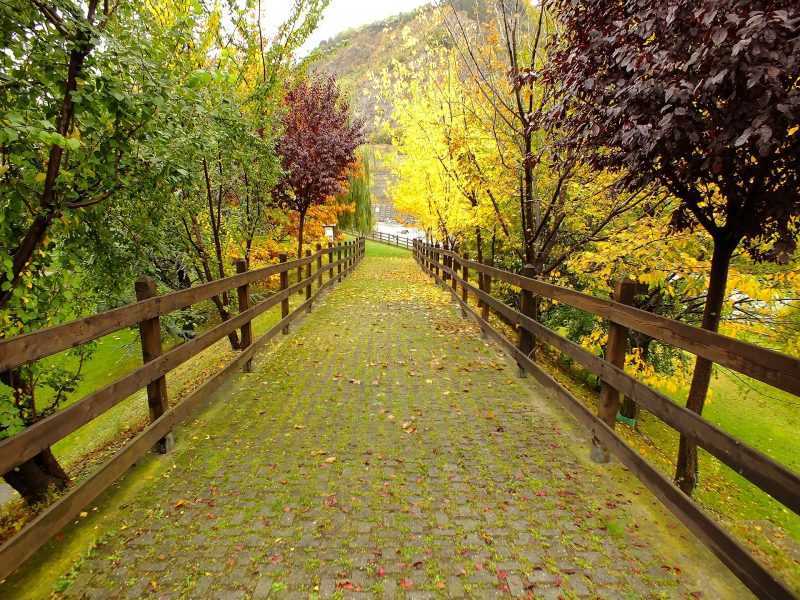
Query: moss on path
x,y
382,450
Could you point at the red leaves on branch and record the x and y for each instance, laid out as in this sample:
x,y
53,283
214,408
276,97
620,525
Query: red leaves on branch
x,y
318,144
696,96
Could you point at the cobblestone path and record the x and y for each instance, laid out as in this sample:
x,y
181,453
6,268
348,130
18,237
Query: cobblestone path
x,y
385,450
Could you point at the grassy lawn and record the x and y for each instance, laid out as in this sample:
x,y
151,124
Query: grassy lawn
x,y
379,250
766,419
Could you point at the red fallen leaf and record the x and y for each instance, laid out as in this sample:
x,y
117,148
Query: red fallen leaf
x,y
558,581
381,572
502,575
345,585
275,559
541,493
406,584
331,501
478,566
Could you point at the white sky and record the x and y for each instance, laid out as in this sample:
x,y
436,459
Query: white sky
x,y
340,15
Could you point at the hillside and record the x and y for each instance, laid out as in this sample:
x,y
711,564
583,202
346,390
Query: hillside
x,y
360,55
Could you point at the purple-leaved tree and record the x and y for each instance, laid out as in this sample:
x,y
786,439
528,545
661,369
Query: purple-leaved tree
x,y
317,147
702,99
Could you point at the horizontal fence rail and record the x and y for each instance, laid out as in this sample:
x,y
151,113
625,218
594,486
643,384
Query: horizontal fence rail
x,y
391,239
452,270
342,259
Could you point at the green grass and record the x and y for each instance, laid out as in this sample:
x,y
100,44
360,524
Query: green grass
x,y
117,354
378,250
766,419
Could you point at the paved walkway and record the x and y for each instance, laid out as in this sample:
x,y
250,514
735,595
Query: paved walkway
x,y
385,450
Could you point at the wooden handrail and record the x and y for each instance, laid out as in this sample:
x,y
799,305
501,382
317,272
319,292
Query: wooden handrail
x,y
27,443
52,340
774,368
392,239
768,475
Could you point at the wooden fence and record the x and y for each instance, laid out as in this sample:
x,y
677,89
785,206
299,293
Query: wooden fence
x,y
393,240
342,258
454,271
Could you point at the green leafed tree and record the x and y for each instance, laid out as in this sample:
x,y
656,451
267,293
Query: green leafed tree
x,y
356,212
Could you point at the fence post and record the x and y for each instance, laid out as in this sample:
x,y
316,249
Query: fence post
x,y
310,281
339,260
487,288
436,258
319,265
527,341
150,335
244,304
349,256
330,260
299,272
616,348
285,301
453,274
426,258
465,277
429,259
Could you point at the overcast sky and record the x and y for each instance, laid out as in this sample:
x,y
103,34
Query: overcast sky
x,y
341,15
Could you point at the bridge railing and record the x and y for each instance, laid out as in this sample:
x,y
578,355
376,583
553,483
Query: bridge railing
x,y
779,370
391,239
319,270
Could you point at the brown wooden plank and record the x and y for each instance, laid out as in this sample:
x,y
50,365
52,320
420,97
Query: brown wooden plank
x,y
150,336
770,476
741,563
616,350
243,295
45,342
779,370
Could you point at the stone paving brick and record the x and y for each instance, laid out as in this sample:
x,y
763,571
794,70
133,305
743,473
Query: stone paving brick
x,y
384,450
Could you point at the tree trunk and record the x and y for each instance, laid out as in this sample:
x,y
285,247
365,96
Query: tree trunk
x,y
36,477
686,471
479,257
629,408
301,226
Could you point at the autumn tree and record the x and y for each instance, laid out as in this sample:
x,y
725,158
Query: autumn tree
x,y
82,85
699,98
317,147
